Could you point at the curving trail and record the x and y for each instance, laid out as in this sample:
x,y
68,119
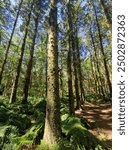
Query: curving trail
x,y
99,117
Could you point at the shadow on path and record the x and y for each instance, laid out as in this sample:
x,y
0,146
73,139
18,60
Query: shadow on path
x,y
99,117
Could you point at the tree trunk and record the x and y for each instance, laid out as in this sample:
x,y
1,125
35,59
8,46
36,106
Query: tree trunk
x,y
46,65
15,85
52,130
9,43
93,73
69,69
61,78
106,12
30,63
72,43
97,65
103,54
79,69
70,84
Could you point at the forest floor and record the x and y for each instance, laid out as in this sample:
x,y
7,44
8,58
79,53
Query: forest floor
x,y
99,117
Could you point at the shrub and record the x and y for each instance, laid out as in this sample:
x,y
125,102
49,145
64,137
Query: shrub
x,y
40,105
61,145
28,139
78,135
22,122
4,114
7,133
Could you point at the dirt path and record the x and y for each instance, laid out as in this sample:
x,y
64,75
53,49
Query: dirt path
x,y
99,116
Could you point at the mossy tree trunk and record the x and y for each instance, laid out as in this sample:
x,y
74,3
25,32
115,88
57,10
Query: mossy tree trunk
x,y
52,130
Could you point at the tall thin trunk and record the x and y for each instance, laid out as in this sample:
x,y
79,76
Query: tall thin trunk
x,y
0,41
102,52
69,69
61,78
93,73
106,12
15,85
75,73
97,64
52,130
72,42
46,64
9,43
79,69
70,84
30,63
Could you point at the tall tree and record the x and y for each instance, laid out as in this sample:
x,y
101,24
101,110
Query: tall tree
x,y
30,62
52,130
109,19
69,66
72,43
15,85
61,77
79,67
9,43
97,65
102,51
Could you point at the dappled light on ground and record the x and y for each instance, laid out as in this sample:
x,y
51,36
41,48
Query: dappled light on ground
x,y
99,117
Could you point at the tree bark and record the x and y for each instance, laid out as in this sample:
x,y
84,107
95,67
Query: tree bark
x,y
9,43
69,69
79,69
52,130
97,65
70,82
106,12
61,78
46,65
30,63
72,43
93,73
15,85
102,52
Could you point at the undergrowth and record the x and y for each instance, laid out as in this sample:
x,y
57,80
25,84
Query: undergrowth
x,y
90,97
22,125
